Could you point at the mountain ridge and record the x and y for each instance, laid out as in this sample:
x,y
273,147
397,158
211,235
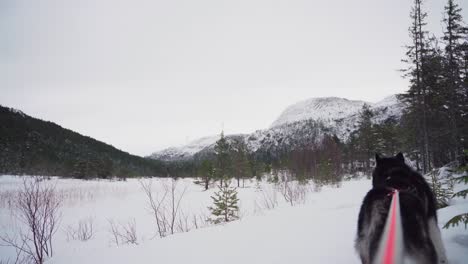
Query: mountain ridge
x,y
326,115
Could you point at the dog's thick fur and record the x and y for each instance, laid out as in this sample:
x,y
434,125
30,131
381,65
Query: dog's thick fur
x,y
421,235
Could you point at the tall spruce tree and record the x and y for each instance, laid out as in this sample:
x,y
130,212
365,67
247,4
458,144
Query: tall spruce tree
x,y
464,96
416,97
366,135
207,172
453,37
240,162
223,168
438,122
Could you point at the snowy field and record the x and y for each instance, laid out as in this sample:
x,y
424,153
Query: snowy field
x,y
319,228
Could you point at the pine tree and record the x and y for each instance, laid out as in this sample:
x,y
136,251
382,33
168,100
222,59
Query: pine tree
x,y
223,168
421,71
207,172
388,139
443,191
439,124
82,168
240,162
461,218
453,36
464,96
225,207
366,135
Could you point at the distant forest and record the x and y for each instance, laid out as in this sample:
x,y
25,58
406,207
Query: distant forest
x,y
36,147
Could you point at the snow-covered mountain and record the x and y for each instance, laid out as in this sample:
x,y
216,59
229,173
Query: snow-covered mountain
x,y
185,151
389,107
324,109
301,123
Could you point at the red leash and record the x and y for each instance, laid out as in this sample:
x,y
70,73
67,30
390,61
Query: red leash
x,y
390,250
389,257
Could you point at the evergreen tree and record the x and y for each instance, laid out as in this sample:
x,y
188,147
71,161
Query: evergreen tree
x,y
104,167
419,73
225,207
439,123
223,168
463,217
241,162
443,191
388,139
207,172
81,169
366,136
454,35
464,95
256,167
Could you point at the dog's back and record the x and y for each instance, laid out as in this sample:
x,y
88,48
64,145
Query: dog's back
x,y
422,242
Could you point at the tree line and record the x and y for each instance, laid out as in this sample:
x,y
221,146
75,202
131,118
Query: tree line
x,y
436,118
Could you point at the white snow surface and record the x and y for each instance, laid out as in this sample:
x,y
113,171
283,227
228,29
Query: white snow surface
x,y
321,230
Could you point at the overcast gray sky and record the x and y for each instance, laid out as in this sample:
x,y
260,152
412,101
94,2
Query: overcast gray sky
x,y
143,75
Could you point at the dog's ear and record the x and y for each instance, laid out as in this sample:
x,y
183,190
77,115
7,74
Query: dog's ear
x,y
400,157
377,158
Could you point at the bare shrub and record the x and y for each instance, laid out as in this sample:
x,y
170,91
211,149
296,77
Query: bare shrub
x,y
114,231
199,221
123,233
8,198
129,234
175,198
37,209
294,192
269,198
156,204
165,206
84,231
183,223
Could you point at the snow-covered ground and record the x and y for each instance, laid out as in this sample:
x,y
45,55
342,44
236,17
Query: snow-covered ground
x,y
320,230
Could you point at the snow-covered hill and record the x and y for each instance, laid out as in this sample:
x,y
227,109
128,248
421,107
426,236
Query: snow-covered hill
x,y
300,123
185,151
325,109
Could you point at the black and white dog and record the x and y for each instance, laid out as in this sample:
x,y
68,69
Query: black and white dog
x,y
422,242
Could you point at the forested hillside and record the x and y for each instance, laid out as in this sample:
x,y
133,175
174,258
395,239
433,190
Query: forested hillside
x,y
36,147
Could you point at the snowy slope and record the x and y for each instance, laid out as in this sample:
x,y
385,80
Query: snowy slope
x,y
306,121
326,109
185,151
389,107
